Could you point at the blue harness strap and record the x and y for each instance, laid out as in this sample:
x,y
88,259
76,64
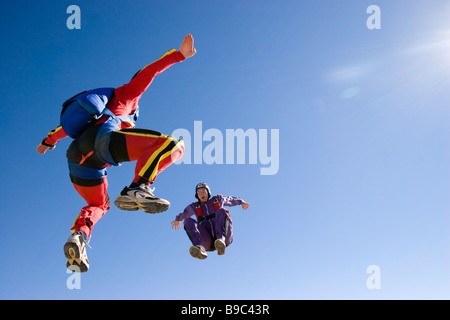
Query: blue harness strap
x,y
83,172
101,146
128,118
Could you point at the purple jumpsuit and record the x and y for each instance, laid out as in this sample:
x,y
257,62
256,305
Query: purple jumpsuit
x,y
210,229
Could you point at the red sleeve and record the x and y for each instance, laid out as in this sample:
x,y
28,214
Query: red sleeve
x,y
133,90
55,135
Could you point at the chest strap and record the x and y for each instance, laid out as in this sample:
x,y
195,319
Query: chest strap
x,y
199,210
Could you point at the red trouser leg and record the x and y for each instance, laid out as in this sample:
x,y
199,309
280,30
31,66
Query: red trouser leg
x,y
153,151
98,203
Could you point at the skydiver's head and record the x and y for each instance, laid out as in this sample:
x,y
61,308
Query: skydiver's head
x,y
202,192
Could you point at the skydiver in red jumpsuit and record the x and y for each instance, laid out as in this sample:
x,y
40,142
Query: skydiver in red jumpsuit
x,y
100,147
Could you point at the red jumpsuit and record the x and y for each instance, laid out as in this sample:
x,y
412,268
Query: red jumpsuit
x,y
152,150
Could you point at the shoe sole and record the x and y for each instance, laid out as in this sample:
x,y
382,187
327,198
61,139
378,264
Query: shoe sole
x,y
127,204
220,247
74,261
197,253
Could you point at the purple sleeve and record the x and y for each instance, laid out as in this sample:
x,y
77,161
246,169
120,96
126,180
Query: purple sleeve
x,y
230,201
187,213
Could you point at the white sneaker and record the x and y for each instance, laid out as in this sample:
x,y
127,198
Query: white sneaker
x,y
75,252
220,246
132,199
198,252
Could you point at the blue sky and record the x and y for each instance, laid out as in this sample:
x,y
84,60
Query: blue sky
x,y
363,122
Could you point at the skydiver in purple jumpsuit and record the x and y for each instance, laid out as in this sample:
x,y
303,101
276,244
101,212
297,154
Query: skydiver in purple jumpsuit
x,y
213,228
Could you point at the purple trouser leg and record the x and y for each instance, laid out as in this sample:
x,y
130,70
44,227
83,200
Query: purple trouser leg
x,y
223,226
197,233
204,234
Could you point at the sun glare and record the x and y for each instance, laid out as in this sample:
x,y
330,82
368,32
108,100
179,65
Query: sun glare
x,y
436,49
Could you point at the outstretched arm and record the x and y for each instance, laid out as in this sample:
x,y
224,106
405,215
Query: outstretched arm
x,y
188,212
41,149
50,141
133,90
175,224
187,48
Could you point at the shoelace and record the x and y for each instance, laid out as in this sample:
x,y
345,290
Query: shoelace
x,y
87,242
149,189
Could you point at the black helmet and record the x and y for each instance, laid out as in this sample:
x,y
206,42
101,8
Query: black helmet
x,y
202,185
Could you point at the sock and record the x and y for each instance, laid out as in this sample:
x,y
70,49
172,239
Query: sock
x,y
139,182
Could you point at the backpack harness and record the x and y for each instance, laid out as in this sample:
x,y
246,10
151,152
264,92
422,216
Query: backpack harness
x,y
84,109
199,210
